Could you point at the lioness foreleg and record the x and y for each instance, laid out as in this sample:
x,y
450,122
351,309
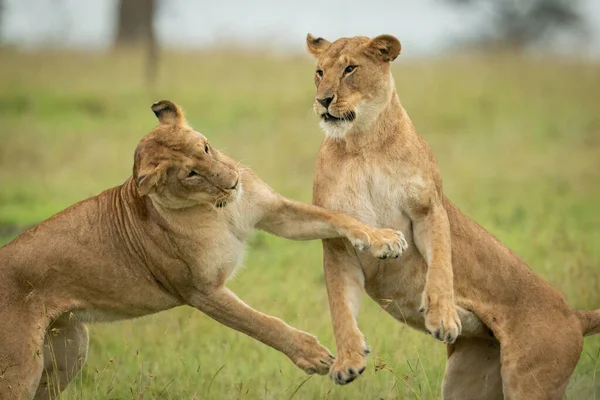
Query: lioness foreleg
x,y
294,220
431,232
302,348
345,284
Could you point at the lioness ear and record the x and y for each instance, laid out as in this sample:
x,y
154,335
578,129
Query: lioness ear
x,y
384,47
147,179
146,176
168,112
316,46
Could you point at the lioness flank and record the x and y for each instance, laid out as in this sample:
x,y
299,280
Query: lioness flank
x,y
510,334
170,235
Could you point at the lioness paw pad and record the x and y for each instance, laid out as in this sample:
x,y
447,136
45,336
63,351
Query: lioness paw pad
x,y
351,362
344,372
311,356
390,244
442,322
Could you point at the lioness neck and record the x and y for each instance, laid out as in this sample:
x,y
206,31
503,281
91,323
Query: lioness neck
x,y
391,124
198,222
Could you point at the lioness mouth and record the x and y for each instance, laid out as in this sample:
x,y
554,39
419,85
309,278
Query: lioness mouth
x,y
224,200
346,117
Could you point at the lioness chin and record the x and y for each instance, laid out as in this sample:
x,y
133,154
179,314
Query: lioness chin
x,y
170,235
510,334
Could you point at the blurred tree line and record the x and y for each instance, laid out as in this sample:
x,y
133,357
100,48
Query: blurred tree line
x,y
135,27
514,24
1,14
520,24
135,21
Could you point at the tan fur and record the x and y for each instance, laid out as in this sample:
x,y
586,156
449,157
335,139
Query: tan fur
x,y
170,235
455,275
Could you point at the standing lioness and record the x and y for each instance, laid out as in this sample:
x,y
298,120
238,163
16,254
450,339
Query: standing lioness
x,y
170,235
373,165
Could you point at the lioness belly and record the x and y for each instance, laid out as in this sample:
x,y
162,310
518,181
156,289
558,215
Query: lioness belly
x,y
396,285
132,299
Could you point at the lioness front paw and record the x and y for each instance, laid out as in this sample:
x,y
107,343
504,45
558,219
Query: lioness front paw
x,y
441,317
383,243
309,355
350,364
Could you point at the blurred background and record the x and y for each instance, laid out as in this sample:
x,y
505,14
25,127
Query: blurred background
x,y
426,27
505,91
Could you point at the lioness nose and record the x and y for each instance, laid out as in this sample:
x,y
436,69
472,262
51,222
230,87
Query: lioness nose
x,y
235,184
325,101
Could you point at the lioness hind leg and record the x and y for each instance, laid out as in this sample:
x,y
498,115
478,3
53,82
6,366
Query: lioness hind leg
x,y
65,353
538,366
473,370
21,359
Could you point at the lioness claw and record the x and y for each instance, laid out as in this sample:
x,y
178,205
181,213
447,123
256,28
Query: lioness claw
x,y
383,243
351,362
441,319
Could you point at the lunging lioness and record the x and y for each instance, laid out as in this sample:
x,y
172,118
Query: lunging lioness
x,y
170,235
519,337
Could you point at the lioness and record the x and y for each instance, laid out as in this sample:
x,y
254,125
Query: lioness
x,y
170,235
519,337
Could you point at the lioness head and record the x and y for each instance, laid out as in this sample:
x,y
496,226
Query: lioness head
x,y
353,80
178,168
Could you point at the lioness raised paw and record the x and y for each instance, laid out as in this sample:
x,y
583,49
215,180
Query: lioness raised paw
x,y
383,243
441,317
350,363
309,355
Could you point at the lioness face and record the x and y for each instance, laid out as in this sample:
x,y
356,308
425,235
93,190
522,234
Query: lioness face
x,y
177,166
353,80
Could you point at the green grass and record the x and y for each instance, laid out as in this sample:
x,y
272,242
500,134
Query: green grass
x,y
519,148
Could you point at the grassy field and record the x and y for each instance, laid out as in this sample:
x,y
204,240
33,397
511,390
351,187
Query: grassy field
x,y
519,148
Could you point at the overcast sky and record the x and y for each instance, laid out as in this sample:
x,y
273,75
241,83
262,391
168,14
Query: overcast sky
x,y
423,26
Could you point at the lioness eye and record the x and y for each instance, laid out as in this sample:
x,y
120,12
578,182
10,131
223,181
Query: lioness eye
x,y
349,69
206,148
320,73
192,173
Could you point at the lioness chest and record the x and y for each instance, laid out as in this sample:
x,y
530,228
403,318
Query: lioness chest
x,y
217,249
375,195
